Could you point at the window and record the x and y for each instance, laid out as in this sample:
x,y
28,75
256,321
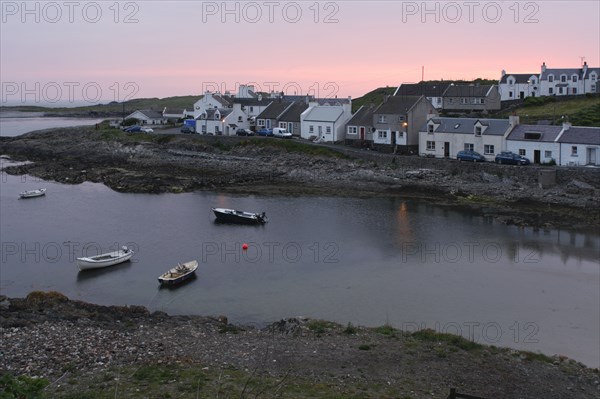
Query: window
x,y
239,118
532,135
574,151
328,130
574,90
352,130
522,152
510,94
439,99
574,78
382,119
401,118
560,90
261,122
550,78
478,131
563,78
464,100
510,81
593,77
430,128
431,146
488,149
382,134
401,134
251,109
311,129
482,101
548,154
550,90
469,147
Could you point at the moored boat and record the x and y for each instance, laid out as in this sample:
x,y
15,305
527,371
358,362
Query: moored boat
x,y
232,216
179,273
104,260
33,193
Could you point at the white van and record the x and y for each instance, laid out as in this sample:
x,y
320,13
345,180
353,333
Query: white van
x,y
281,133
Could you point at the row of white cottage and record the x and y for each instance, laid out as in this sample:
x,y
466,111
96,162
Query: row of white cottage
x,y
564,145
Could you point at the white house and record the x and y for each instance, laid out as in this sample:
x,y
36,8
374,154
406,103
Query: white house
x,y
213,121
536,142
444,137
325,122
148,117
579,146
569,81
517,86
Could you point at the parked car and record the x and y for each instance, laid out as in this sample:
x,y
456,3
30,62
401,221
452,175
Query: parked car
x,y
244,132
147,130
510,158
133,129
265,132
281,133
470,156
186,129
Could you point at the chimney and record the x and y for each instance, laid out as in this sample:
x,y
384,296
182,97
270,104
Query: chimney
x,y
513,121
260,97
385,98
585,67
566,126
544,67
503,73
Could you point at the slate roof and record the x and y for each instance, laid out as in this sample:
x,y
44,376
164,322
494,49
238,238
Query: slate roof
x,y
399,105
422,89
581,135
496,127
274,110
467,91
292,114
151,114
522,78
562,71
331,101
362,117
548,133
253,101
324,114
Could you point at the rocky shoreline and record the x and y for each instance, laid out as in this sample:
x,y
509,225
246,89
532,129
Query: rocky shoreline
x,y
179,163
94,351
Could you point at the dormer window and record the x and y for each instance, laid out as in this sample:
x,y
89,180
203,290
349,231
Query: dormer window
x,y
563,78
593,77
430,128
574,78
532,136
478,131
550,78
510,81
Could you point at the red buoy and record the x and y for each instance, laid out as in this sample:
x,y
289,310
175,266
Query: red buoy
x,y
244,246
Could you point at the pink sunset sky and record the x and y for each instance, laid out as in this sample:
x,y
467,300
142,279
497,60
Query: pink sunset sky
x,y
106,50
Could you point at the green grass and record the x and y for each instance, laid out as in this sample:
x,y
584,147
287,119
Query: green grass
x,y
386,329
320,326
373,97
429,335
22,387
584,111
292,146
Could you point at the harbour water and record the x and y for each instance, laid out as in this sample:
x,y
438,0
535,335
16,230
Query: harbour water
x,y
364,261
17,123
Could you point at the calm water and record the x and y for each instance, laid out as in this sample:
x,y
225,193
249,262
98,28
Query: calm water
x,y
10,125
364,261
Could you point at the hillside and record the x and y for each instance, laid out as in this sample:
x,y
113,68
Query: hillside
x,y
373,97
580,111
114,108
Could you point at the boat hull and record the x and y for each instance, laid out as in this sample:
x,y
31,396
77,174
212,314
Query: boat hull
x,y
177,275
238,217
104,260
32,193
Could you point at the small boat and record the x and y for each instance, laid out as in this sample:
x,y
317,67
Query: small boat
x,y
104,260
33,193
179,273
233,216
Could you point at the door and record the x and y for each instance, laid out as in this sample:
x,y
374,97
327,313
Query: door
x,y
362,133
447,149
536,156
591,156
268,125
522,95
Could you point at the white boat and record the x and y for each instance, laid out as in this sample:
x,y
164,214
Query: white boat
x,y
33,193
233,216
179,273
104,260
